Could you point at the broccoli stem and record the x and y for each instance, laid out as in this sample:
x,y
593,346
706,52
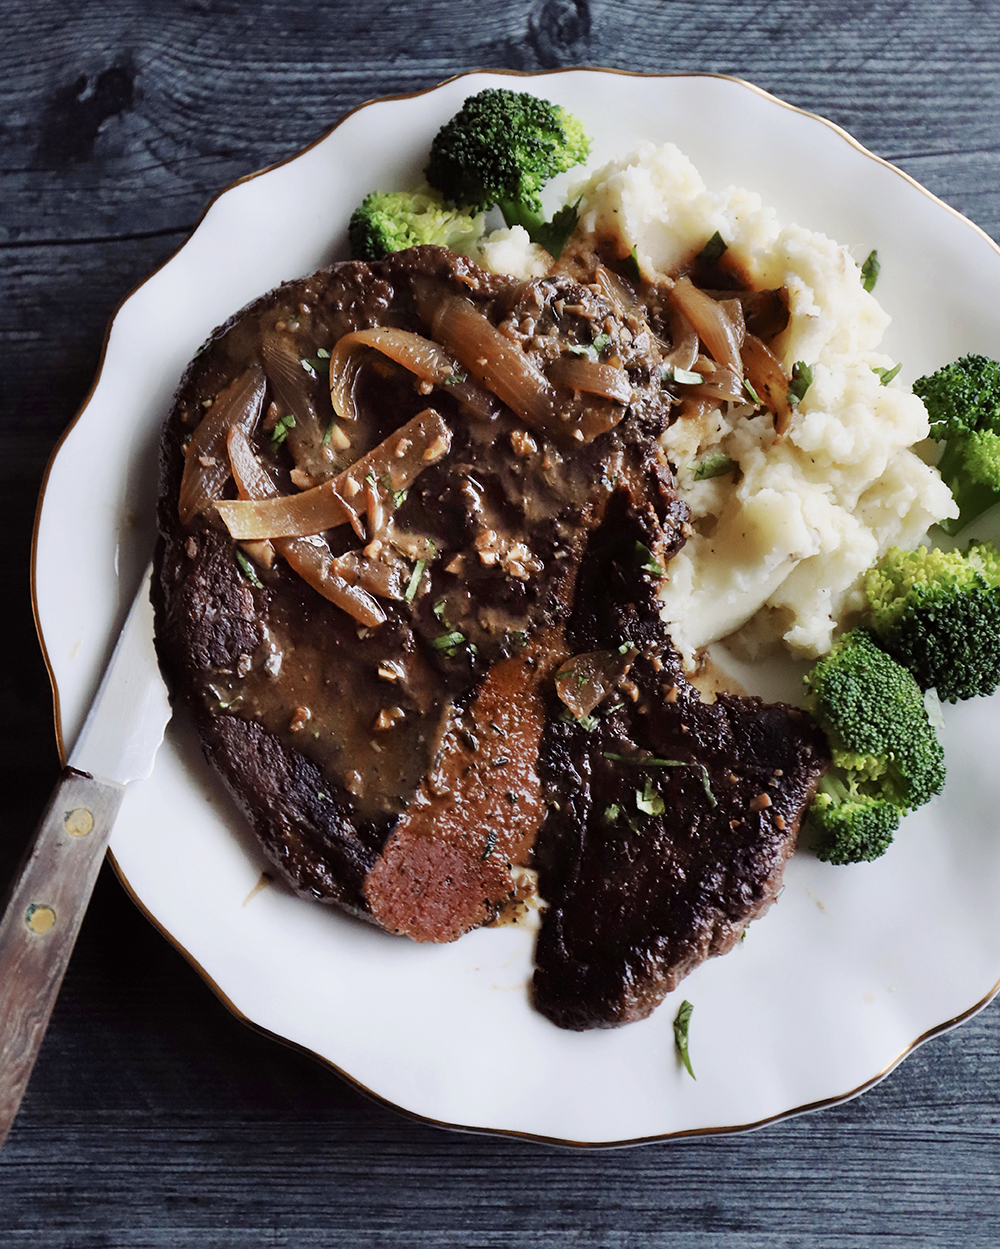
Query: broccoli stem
x,y
518,214
952,457
834,787
973,497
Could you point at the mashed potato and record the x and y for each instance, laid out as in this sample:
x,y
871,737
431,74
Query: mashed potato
x,y
780,544
512,251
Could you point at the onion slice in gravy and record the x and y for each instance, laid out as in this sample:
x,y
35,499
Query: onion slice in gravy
x,y
206,461
422,357
397,463
310,557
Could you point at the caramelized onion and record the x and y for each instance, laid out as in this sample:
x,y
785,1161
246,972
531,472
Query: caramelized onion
x,y
260,552
290,384
718,383
765,313
345,366
585,680
310,556
733,309
616,289
578,373
385,573
769,380
425,359
395,463
716,329
311,559
496,361
695,407
206,460
252,479
685,341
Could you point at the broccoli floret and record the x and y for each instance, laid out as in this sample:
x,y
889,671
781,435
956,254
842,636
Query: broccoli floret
x,y
501,148
938,614
963,402
851,828
390,221
884,748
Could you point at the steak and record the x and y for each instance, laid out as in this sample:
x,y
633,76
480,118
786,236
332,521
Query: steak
x,y
402,727
669,821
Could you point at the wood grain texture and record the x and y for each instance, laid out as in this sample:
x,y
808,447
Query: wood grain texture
x,y
154,1118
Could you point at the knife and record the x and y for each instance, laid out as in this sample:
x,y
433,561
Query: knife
x,y
51,888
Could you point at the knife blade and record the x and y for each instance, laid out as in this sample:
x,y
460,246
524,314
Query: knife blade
x,y
48,897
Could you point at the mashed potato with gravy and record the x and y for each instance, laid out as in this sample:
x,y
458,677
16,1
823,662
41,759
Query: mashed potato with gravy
x,y
780,544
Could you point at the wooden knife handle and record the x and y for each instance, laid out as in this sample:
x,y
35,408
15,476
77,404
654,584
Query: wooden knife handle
x,y
45,907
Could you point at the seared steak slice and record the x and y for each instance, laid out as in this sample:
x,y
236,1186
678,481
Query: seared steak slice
x,y
670,820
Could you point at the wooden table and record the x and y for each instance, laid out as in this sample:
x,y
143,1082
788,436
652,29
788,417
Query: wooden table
x,y
154,1118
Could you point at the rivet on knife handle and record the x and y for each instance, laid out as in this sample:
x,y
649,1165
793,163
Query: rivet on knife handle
x,y
44,910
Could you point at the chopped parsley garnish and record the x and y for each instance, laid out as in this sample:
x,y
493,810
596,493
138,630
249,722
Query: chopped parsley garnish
x,y
630,266
411,586
518,638
611,813
399,497
649,565
751,392
554,234
454,379
449,643
682,1023
713,250
329,433
601,341
649,801
315,364
648,761
715,464
370,477
802,379
512,798
280,431
870,270
887,375
248,570
652,762
587,723
685,376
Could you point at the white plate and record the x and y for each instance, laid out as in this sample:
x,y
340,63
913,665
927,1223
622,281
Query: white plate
x,y
851,968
